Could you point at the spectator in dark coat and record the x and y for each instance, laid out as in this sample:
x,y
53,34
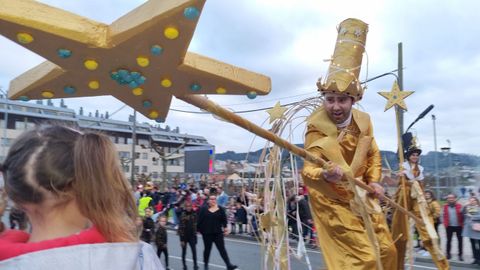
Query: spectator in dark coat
x,y
161,239
148,226
305,215
187,230
212,223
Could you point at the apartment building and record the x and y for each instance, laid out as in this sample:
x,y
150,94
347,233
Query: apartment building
x,y
158,150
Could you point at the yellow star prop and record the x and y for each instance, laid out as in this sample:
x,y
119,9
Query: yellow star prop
x,y
276,112
396,97
141,58
267,221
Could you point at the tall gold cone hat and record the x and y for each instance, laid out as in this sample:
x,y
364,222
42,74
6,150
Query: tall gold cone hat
x,y
346,61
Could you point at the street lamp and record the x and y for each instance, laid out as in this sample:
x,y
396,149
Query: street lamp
x,y
134,142
446,152
5,126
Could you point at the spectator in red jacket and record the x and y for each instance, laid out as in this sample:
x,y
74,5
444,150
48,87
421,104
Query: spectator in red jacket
x,y
72,188
453,222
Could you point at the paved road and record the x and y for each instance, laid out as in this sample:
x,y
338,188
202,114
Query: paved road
x,y
247,255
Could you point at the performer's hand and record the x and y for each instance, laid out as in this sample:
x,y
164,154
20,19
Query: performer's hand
x,y
225,231
332,173
182,243
378,189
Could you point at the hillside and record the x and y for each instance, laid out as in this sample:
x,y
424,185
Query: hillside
x,y
427,160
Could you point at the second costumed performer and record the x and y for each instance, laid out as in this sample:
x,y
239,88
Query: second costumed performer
x,y
344,137
412,173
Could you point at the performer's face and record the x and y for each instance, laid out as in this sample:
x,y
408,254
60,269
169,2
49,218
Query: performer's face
x,y
338,107
413,158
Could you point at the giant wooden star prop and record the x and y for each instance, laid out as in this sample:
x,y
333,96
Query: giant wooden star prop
x,y
141,58
396,97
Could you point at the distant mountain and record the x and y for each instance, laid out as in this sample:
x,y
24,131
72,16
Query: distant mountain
x,y
427,160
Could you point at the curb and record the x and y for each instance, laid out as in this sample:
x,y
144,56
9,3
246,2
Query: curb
x,y
451,263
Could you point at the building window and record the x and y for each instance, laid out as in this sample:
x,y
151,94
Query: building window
x,y
144,142
154,175
144,155
22,125
137,155
155,161
126,168
144,169
6,141
129,140
137,169
124,154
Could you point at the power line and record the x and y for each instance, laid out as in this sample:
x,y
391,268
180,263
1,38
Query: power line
x,y
238,112
260,101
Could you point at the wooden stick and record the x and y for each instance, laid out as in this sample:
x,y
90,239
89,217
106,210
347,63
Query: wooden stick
x,y
204,103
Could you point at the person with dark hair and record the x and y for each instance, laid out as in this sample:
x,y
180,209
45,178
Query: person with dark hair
x,y
187,230
78,202
212,224
17,218
453,222
350,237
161,238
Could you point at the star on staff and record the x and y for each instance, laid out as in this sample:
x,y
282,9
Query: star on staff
x,y
396,97
141,58
276,112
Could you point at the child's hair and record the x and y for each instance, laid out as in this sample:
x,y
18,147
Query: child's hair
x,y
70,165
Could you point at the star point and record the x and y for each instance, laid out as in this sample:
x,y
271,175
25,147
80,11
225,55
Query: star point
x,y
396,97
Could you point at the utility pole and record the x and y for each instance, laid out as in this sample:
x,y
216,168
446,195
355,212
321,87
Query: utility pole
x,y
400,85
5,126
134,142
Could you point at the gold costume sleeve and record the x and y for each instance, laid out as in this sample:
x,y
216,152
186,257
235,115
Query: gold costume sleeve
x,y
311,170
374,160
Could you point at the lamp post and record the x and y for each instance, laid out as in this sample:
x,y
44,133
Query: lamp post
x,y
134,142
437,183
5,126
446,152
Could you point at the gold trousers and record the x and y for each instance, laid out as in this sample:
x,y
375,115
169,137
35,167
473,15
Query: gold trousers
x,y
399,226
343,238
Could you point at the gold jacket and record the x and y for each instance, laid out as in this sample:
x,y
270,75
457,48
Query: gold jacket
x,y
325,140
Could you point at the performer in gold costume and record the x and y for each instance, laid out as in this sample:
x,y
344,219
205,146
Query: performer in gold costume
x,y
412,173
344,137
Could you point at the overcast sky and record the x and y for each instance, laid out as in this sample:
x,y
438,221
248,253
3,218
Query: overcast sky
x,y
288,40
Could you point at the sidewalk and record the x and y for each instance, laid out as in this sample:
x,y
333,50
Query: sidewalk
x,y
421,256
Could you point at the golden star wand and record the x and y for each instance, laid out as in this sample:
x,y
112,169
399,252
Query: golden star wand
x,y
231,117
